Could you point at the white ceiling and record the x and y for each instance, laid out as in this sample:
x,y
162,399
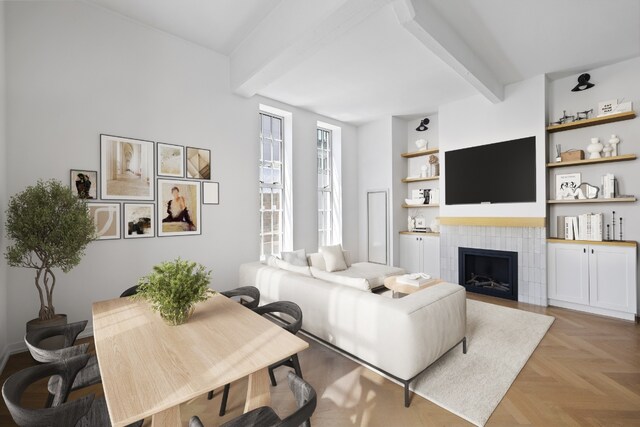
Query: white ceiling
x,y
219,25
377,68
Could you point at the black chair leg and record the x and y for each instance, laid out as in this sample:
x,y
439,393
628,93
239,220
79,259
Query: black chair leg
x,y
407,398
273,377
464,345
225,396
49,401
296,365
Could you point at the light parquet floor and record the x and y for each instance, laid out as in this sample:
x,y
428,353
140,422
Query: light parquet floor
x,y
585,372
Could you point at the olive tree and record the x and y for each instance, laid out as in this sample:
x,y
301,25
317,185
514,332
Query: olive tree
x,y
49,228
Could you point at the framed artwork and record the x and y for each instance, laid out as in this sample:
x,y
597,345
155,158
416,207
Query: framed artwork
x,y
84,184
126,168
139,220
170,160
210,193
178,207
198,163
567,184
106,217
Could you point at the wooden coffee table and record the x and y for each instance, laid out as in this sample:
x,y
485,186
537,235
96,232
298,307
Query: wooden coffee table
x,y
399,288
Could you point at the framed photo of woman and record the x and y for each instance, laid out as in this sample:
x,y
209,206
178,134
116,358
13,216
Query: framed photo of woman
x,y
179,212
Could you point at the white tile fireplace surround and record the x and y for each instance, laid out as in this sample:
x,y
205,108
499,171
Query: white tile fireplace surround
x,y
528,242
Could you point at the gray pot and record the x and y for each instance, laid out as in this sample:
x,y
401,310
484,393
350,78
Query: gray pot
x,y
51,343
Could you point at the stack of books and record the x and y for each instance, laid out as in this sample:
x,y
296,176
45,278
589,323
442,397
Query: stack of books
x,y
417,279
608,182
581,227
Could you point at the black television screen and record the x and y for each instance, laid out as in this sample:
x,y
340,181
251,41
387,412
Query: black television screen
x,y
504,172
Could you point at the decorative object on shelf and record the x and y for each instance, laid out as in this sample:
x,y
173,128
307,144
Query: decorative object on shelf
x,y
558,153
414,202
422,144
170,160
126,168
435,225
572,155
566,185
583,115
564,119
84,184
595,148
411,223
608,235
420,223
179,207
198,163
434,163
612,106
608,183
614,141
613,225
139,219
587,191
606,151
427,195
48,228
583,83
210,193
423,125
621,229
424,171
174,287
106,218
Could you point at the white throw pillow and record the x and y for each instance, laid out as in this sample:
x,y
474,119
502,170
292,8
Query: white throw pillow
x,y
347,258
298,257
317,260
359,283
333,258
276,262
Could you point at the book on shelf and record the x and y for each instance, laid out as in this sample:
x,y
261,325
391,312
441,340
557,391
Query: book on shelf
x,y
416,280
582,227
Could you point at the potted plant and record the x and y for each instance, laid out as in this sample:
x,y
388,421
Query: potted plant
x,y
174,287
50,228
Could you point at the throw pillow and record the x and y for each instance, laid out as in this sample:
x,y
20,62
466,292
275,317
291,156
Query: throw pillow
x,y
317,260
333,258
347,258
298,257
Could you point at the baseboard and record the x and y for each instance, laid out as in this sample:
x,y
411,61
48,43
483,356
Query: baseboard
x,y
4,356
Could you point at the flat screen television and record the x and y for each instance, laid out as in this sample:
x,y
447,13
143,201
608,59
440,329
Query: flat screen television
x,y
504,172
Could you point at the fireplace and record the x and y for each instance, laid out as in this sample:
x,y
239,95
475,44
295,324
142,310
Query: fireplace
x,y
489,272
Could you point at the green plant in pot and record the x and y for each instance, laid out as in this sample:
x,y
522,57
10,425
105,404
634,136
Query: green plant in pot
x,y
50,229
174,287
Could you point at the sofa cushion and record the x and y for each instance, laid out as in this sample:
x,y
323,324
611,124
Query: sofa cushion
x,y
276,262
374,273
298,257
359,283
333,258
316,260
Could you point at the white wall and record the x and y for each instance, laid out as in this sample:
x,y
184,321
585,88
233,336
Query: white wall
x,y
75,71
3,194
475,121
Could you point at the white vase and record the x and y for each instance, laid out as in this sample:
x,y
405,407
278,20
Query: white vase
x,y
423,171
422,144
614,141
607,150
595,148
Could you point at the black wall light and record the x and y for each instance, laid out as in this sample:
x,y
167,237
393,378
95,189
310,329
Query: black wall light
x,y
423,125
583,83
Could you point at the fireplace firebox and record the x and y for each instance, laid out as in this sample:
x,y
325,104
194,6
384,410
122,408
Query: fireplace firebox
x,y
489,272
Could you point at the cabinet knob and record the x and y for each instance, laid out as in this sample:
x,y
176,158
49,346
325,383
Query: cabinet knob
x,y
584,250
591,250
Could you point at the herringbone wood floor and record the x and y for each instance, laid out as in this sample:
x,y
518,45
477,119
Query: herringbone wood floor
x,y
585,372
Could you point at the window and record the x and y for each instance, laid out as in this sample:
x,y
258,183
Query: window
x,y
271,185
325,188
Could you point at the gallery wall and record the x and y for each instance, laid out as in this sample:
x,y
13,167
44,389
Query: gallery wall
x,y
3,193
74,71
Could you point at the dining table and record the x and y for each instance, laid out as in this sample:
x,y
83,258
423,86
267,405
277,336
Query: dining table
x,y
149,368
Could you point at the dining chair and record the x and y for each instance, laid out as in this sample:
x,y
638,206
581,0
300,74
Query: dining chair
x,y
129,292
244,291
88,375
275,310
265,416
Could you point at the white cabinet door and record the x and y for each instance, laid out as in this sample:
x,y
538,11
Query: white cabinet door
x,y
568,273
410,253
431,255
612,277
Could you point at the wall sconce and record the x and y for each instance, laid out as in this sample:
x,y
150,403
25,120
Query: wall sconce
x,y
583,83
423,125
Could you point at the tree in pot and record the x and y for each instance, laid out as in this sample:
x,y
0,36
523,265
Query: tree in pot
x,y
50,228
174,287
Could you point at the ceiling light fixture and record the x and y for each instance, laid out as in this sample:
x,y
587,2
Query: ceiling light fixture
x,y
583,83
423,125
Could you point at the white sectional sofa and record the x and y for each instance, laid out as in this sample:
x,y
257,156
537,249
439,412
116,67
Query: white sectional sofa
x,y
400,337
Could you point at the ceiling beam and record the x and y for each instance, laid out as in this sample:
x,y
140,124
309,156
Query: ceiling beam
x,y
422,20
292,32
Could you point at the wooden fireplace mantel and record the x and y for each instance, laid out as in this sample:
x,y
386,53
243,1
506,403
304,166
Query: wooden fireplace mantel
x,y
494,221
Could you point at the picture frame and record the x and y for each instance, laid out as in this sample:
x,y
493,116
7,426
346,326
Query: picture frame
x,y
179,210
198,163
127,168
170,160
210,193
106,217
138,220
567,184
84,183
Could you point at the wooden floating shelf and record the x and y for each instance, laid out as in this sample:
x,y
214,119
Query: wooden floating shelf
x,y
592,242
431,178
615,200
432,205
420,233
622,158
592,122
419,153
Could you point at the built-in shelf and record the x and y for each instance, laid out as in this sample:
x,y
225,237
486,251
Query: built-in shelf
x,y
614,200
420,153
431,205
592,122
621,158
430,178
420,233
591,242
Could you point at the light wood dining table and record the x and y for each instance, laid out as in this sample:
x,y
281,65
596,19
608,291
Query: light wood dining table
x,y
149,368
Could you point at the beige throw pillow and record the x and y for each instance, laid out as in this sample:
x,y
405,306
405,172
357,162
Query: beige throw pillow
x,y
333,258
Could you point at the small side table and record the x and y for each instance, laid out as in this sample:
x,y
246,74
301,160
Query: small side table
x,y
399,288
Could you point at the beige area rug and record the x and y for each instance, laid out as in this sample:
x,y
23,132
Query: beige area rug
x,y
500,340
